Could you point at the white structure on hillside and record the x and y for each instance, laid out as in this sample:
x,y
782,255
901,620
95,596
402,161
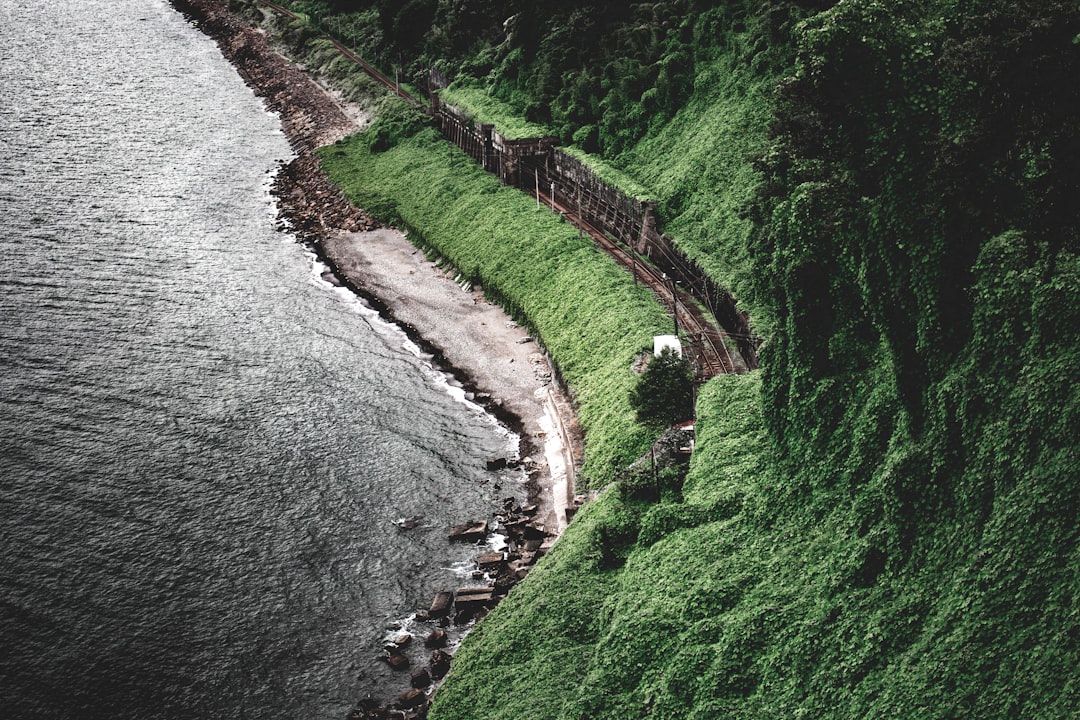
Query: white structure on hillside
x,y
659,342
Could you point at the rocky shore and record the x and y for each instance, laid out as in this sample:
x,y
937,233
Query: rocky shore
x,y
494,359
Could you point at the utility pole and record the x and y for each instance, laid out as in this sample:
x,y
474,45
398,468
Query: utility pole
x,y
633,250
674,303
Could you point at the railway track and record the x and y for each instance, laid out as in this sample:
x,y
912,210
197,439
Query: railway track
x,y
705,341
363,64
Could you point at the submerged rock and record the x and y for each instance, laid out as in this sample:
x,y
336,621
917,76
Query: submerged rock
x,y
396,659
437,639
409,523
469,532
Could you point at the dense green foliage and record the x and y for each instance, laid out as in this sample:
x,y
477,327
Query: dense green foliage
x,y
891,532
624,618
882,522
589,314
476,103
601,73
610,174
664,394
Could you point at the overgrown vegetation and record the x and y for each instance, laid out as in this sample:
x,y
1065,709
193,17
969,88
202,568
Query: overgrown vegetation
x,y
668,101
892,535
478,104
601,74
664,394
623,618
881,523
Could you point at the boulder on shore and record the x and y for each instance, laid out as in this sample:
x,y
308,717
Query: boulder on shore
x,y
471,598
420,678
469,532
437,639
488,561
440,664
441,604
412,699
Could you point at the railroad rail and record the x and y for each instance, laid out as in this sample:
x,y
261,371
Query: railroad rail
x,y
363,64
705,342
617,224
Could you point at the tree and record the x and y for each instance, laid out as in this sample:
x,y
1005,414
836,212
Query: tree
x,y
664,394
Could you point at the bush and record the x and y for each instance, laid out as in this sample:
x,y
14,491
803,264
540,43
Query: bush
x,y
396,121
664,394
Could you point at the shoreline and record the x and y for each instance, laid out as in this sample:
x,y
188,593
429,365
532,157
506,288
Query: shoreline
x,y
490,356
472,340
469,338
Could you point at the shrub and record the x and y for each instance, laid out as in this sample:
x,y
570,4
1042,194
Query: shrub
x,y
664,394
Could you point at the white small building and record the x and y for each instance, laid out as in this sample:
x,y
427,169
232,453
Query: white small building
x,y
659,342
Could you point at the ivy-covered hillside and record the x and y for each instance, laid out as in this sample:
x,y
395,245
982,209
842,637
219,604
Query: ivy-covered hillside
x,y
882,522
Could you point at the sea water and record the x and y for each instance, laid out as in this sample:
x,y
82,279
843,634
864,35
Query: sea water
x,y
202,444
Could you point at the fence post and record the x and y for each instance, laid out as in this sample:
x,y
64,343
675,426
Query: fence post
x,y
581,220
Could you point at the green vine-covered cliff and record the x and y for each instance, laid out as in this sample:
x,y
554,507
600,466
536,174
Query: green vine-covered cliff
x,y
882,522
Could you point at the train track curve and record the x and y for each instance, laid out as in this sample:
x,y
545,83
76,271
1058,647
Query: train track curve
x,y
363,64
701,337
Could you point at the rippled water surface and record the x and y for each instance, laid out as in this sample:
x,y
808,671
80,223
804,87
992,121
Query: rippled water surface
x,y
202,445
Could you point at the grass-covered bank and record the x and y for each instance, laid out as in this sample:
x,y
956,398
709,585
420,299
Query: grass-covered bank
x,y
893,533
587,312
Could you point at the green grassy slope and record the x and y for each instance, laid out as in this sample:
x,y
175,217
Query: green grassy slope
x,y
883,523
483,108
620,619
700,165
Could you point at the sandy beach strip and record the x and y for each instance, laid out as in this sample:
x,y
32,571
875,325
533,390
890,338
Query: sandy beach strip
x,y
477,338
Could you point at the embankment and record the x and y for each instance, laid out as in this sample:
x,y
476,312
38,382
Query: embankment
x,y
585,310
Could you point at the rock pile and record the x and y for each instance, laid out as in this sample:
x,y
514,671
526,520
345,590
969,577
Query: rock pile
x,y
310,205
495,574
